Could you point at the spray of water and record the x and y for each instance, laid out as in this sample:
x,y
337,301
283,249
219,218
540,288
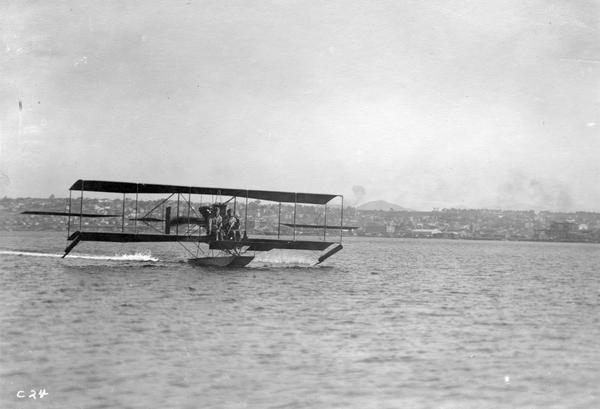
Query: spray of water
x,y
140,256
283,259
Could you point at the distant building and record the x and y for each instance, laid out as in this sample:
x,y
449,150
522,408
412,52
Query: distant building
x,y
426,233
561,231
375,230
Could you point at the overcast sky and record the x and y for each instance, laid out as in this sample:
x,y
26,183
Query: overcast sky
x,y
422,103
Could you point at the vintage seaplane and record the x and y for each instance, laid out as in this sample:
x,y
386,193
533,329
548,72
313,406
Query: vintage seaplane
x,y
203,220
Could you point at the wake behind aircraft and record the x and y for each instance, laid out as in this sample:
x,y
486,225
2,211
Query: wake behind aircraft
x,y
211,233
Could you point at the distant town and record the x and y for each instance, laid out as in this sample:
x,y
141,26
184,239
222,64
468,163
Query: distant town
x,y
265,218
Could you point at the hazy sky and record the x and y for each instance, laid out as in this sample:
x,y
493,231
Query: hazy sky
x,y
421,103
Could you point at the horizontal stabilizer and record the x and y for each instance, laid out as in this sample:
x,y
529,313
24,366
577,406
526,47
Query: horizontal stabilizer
x,y
147,219
318,226
176,220
44,213
188,220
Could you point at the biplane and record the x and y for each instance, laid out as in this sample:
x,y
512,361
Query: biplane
x,y
189,216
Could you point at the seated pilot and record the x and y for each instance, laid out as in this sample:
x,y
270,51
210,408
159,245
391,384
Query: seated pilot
x,y
231,226
215,224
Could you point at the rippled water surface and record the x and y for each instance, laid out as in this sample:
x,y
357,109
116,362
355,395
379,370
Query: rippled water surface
x,y
386,323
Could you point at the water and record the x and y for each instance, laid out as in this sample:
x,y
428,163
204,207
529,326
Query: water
x,y
386,323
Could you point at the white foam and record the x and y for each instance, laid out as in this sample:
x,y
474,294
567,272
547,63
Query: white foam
x,y
282,259
118,257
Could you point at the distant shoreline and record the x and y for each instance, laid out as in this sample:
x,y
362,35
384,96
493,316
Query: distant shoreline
x,y
458,224
350,236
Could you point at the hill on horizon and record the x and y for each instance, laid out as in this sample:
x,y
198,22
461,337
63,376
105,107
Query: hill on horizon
x,y
380,205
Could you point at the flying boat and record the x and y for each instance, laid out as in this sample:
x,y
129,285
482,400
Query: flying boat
x,y
189,216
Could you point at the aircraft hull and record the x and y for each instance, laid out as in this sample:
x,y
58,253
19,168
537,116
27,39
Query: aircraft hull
x,y
224,261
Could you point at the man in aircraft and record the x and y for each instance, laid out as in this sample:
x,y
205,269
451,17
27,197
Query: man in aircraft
x,y
231,226
215,224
